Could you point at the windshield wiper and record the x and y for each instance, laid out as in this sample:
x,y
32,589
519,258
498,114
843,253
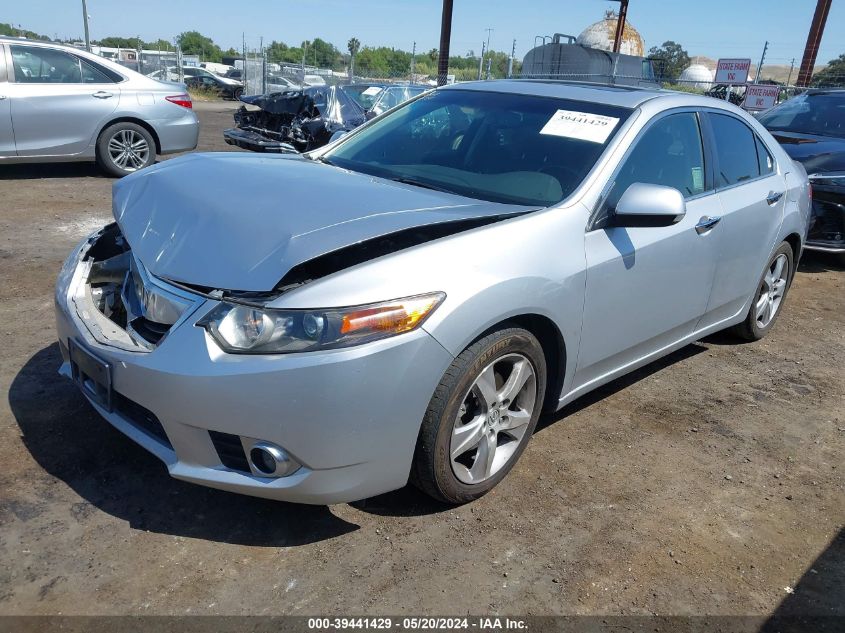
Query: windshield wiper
x,y
419,183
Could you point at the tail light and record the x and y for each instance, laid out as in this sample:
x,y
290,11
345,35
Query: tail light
x,y
810,190
183,100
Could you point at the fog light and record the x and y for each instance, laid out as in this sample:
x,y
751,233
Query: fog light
x,y
271,461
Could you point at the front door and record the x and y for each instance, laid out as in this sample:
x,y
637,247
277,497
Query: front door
x,y
647,287
58,102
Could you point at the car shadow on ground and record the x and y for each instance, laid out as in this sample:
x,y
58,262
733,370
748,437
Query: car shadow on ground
x,y
816,602
34,171
71,442
816,262
623,382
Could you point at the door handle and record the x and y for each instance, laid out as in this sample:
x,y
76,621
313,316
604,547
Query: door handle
x,y
2,97
773,197
706,223
101,94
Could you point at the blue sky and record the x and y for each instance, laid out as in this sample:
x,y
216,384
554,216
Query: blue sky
x,y
715,28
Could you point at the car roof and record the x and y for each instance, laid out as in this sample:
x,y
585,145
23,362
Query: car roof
x,y
624,96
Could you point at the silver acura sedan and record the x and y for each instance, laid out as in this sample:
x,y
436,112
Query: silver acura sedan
x,y
59,103
403,303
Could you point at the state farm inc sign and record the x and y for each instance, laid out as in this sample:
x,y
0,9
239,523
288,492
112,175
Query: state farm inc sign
x,y
760,97
732,71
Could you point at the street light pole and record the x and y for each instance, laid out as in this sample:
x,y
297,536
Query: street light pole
x,y
85,23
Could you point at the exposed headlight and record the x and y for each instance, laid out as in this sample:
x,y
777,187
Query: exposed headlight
x,y
243,329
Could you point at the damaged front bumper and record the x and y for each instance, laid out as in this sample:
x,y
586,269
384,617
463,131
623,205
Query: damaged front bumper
x,y
349,417
255,142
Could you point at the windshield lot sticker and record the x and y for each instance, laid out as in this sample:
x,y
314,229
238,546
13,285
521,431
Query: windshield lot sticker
x,y
581,125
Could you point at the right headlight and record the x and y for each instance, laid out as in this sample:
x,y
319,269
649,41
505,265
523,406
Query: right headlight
x,y
244,329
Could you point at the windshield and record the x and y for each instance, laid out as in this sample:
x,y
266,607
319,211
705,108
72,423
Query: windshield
x,y
822,114
365,95
499,147
394,95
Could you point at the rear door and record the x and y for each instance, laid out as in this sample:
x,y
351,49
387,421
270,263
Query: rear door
x,y
58,101
648,286
751,193
7,135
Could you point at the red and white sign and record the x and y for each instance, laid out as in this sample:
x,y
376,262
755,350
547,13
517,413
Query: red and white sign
x,y
760,97
732,71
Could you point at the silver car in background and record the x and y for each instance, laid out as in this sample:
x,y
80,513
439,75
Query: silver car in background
x,y
404,302
59,103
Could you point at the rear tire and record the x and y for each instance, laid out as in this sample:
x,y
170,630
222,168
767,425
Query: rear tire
x,y
124,148
769,297
481,416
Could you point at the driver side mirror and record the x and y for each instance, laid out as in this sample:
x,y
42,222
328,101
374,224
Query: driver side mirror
x,y
645,204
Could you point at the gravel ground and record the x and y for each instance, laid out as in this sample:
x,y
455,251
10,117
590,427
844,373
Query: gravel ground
x,y
710,482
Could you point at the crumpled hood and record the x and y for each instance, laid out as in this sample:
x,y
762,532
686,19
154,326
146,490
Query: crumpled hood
x,y
238,221
818,154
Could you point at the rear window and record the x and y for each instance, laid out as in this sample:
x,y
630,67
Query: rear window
x,y
736,150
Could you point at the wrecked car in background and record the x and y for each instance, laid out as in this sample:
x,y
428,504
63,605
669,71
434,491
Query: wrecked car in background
x,y
294,120
811,128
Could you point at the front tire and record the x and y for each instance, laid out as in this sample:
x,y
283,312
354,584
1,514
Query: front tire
x,y
124,148
769,296
481,416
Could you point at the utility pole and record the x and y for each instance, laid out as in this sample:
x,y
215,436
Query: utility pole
x,y
620,25
481,62
445,40
814,39
489,31
510,61
489,64
413,61
791,68
760,65
85,24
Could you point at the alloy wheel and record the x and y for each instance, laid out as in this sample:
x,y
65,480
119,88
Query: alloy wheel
x,y
129,150
771,291
493,418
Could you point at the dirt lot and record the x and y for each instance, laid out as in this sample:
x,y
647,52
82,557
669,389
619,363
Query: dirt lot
x,y
710,482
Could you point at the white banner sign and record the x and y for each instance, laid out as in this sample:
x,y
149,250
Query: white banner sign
x,y
760,97
732,71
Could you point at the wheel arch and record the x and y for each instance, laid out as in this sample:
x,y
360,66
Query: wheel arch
x,y
794,240
130,119
554,349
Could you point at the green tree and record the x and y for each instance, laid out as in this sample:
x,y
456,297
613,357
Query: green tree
x,y
13,31
121,42
832,75
353,46
195,43
670,59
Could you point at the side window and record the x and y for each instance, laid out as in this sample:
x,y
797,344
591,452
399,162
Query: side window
x,y
93,74
669,153
765,160
44,65
736,149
